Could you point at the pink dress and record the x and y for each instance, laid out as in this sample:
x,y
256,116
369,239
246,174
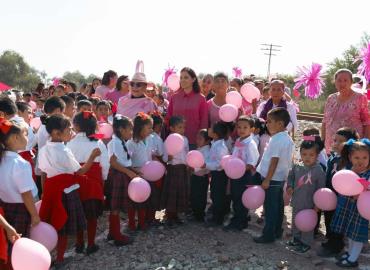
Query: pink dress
x,y
129,107
353,113
114,95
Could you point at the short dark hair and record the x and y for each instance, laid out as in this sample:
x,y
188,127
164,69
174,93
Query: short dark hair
x,y
318,144
221,75
238,81
67,100
22,106
73,85
247,119
220,129
55,122
280,114
176,120
53,103
103,103
7,106
204,134
86,122
348,133
107,76
81,97
311,131
83,102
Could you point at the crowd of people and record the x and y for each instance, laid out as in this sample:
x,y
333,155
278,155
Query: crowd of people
x,y
78,174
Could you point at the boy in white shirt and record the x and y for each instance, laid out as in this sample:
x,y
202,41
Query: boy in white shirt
x,y
274,169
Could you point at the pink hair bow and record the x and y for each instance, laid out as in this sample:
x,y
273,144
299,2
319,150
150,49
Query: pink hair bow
x,y
309,138
364,183
239,144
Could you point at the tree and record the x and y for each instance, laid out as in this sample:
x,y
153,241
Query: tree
x,y
15,72
91,77
75,77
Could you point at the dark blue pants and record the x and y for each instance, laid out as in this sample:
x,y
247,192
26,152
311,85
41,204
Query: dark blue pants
x,y
198,195
218,195
274,211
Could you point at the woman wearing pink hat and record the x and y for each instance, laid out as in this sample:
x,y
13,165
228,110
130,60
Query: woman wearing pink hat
x,y
136,101
190,104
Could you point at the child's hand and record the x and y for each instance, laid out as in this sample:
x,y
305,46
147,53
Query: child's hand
x,y
12,234
131,174
95,153
355,197
35,220
265,184
289,191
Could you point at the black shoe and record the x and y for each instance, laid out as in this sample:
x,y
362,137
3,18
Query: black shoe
x,y
326,253
345,263
120,243
80,248
279,235
231,227
302,248
92,249
110,237
293,243
262,240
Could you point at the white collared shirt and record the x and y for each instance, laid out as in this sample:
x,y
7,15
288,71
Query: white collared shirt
x,y
217,152
280,146
81,147
55,158
249,152
205,150
16,178
157,143
179,158
140,152
115,147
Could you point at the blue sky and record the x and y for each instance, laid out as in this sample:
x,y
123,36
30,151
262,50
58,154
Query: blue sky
x,y
94,36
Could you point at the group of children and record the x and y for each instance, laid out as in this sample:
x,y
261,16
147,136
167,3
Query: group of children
x,y
77,175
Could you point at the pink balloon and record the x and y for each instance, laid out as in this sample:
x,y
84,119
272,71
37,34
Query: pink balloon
x,y
139,190
30,255
195,159
224,160
153,170
35,123
253,197
363,204
346,183
106,129
228,113
235,168
306,220
174,144
250,92
38,206
173,82
45,234
325,199
234,98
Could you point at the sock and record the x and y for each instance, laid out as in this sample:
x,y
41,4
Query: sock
x,y
131,219
350,245
80,238
356,251
117,229
61,247
111,225
141,217
91,231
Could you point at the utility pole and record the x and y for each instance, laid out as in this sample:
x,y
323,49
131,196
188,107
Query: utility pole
x,y
269,49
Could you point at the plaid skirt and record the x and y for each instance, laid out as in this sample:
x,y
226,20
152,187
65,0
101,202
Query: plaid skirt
x,y
175,193
348,221
76,217
92,208
16,215
155,195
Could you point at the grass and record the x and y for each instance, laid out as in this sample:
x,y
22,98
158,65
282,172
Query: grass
x,y
314,106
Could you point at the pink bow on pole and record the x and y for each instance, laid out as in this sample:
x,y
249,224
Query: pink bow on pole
x,y
56,81
310,78
167,74
237,72
364,67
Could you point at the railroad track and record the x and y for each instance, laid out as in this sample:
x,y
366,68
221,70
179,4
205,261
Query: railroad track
x,y
315,117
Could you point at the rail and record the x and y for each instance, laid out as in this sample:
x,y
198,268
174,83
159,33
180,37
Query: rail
x,y
315,117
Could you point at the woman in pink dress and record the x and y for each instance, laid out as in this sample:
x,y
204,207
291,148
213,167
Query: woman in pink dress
x,y
107,84
121,90
346,108
136,101
190,104
220,86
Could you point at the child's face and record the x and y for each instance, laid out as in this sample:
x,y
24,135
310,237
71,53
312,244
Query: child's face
x,y
309,156
26,115
200,141
243,129
85,108
265,95
18,142
66,135
70,110
126,133
274,126
146,131
179,128
102,112
359,160
276,91
59,92
338,143
157,128
211,134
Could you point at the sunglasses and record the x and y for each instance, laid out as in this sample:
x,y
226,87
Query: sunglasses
x,y
138,85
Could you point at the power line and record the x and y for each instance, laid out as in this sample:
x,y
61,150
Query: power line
x,y
270,48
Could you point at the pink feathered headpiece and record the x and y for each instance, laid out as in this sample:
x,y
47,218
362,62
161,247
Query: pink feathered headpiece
x,y
169,71
364,67
310,78
237,72
56,81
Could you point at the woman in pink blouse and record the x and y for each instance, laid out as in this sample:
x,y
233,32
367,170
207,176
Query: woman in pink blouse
x,y
121,90
346,108
220,86
190,104
107,84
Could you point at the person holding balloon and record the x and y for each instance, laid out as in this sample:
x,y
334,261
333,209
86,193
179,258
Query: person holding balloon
x,y
175,194
303,181
141,150
12,236
335,243
61,205
347,220
91,191
246,149
274,169
119,177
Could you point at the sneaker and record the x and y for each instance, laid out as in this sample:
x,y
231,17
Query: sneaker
x,y
92,249
302,248
293,242
345,263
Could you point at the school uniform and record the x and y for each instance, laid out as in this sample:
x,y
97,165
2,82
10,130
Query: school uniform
x,y
280,146
218,179
247,151
304,181
61,205
175,193
16,178
91,190
199,187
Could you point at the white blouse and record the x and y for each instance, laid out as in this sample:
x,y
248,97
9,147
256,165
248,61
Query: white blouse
x,y
247,151
55,158
16,178
81,147
140,152
115,147
217,152
157,144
